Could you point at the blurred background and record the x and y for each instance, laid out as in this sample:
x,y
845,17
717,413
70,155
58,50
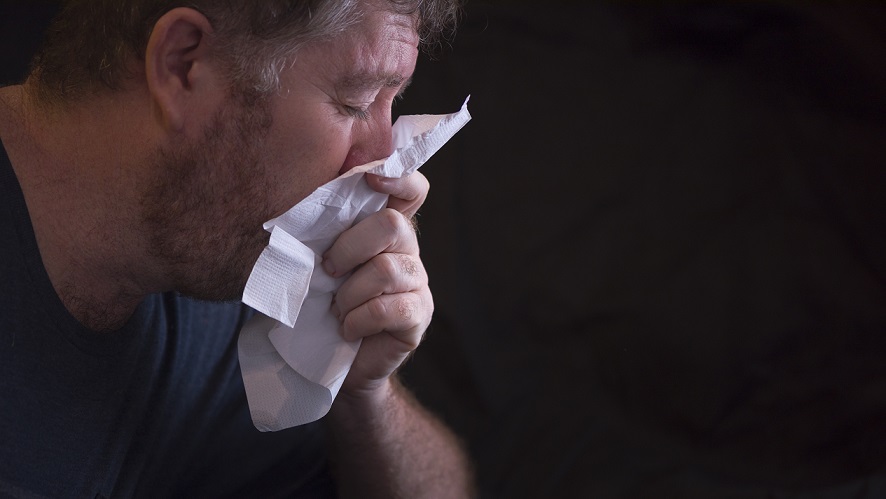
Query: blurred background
x,y
658,251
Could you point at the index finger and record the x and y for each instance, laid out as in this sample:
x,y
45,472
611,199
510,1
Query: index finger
x,y
407,193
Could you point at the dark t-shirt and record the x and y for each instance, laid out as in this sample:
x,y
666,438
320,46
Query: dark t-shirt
x,y
156,409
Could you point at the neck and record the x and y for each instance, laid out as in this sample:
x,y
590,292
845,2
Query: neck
x,y
78,171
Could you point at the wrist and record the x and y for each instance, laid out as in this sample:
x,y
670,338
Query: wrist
x,y
366,404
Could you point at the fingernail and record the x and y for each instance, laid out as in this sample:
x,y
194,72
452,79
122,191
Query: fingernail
x,y
329,268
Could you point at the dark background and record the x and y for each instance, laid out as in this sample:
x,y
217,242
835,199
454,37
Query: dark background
x,y
658,252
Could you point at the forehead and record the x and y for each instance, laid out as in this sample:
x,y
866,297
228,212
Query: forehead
x,y
379,50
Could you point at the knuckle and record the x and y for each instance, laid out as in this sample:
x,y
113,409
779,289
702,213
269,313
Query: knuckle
x,y
424,186
377,309
396,223
408,265
429,302
393,267
406,308
386,265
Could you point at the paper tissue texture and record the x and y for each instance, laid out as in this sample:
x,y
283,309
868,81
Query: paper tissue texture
x,y
292,356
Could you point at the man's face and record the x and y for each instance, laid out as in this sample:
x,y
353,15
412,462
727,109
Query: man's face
x,y
256,160
334,109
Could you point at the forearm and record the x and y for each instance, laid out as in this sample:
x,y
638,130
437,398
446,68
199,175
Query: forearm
x,y
388,446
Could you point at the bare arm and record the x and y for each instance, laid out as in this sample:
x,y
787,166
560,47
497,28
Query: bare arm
x,y
384,444
391,447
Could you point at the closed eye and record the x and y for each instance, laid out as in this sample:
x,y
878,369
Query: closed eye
x,y
356,112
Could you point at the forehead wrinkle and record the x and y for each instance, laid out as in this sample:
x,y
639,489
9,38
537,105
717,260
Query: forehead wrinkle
x,y
370,80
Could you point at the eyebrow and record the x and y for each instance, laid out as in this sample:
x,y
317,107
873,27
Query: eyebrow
x,y
366,81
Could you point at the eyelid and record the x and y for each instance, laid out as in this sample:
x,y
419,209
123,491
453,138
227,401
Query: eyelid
x,y
362,113
356,112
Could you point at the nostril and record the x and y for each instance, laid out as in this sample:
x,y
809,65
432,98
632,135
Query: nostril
x,y
356,157
375,146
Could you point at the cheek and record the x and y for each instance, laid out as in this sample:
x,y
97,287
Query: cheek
x,y
302,163
353,159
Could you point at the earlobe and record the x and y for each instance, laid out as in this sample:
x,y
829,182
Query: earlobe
x,y
175,59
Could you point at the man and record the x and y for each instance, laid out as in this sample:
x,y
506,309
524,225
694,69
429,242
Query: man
x,y
139,161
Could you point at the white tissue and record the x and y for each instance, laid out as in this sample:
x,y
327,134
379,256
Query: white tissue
x,y
292,356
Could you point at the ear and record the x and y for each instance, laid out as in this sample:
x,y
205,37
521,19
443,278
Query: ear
x,y
179,76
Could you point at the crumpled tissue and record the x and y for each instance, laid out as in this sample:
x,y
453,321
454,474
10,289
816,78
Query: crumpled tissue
x,y
293,358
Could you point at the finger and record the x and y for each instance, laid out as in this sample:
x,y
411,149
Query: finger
x,y
387,273
404,316
387,231
407,194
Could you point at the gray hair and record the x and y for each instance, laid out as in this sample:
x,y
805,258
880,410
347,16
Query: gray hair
x,y
89,42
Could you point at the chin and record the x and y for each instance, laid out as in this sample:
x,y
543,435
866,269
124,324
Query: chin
x,y
223,278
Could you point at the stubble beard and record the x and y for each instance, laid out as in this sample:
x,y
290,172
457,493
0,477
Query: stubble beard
x,y
204,212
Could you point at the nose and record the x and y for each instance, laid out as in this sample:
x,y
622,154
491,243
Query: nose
x,y
371,141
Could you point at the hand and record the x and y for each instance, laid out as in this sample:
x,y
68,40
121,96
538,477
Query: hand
x,y
386,301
